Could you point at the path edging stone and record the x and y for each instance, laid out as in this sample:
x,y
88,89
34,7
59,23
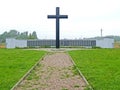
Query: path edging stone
x,y
28,72
80,73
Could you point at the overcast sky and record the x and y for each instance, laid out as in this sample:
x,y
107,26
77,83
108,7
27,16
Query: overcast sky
x,y
85,17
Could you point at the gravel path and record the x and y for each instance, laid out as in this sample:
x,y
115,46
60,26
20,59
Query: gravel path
x,y
54,72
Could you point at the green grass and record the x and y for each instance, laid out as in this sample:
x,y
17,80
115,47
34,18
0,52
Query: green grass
x,y
14,63
101,67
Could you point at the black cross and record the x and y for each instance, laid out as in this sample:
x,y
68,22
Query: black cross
x,y
57,17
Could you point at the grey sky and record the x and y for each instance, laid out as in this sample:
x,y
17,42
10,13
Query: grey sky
x,y
85,17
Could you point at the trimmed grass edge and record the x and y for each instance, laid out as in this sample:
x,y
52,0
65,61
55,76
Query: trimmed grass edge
x,y
29,71
80,73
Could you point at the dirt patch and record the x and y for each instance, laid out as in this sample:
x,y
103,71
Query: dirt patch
x,y
55,72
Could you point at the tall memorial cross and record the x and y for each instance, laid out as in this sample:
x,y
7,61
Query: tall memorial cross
x,y
57,17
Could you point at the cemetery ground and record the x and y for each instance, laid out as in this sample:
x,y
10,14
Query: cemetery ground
x,y
101,68
55,72
14,63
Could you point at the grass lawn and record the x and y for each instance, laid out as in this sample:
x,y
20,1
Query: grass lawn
x,y
14,63
101,67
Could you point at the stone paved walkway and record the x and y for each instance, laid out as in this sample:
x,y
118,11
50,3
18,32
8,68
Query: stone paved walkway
x,y
54,72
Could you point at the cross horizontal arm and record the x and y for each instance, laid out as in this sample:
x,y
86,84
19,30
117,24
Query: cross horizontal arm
x,y
60,16
51,16
63,16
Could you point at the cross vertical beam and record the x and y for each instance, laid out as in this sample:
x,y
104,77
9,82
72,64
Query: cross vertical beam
x,y
57,17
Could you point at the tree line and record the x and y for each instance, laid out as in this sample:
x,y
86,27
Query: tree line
x,y
17,35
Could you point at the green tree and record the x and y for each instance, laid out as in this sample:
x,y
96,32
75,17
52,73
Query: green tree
x,y
34,35
30,36
17,35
